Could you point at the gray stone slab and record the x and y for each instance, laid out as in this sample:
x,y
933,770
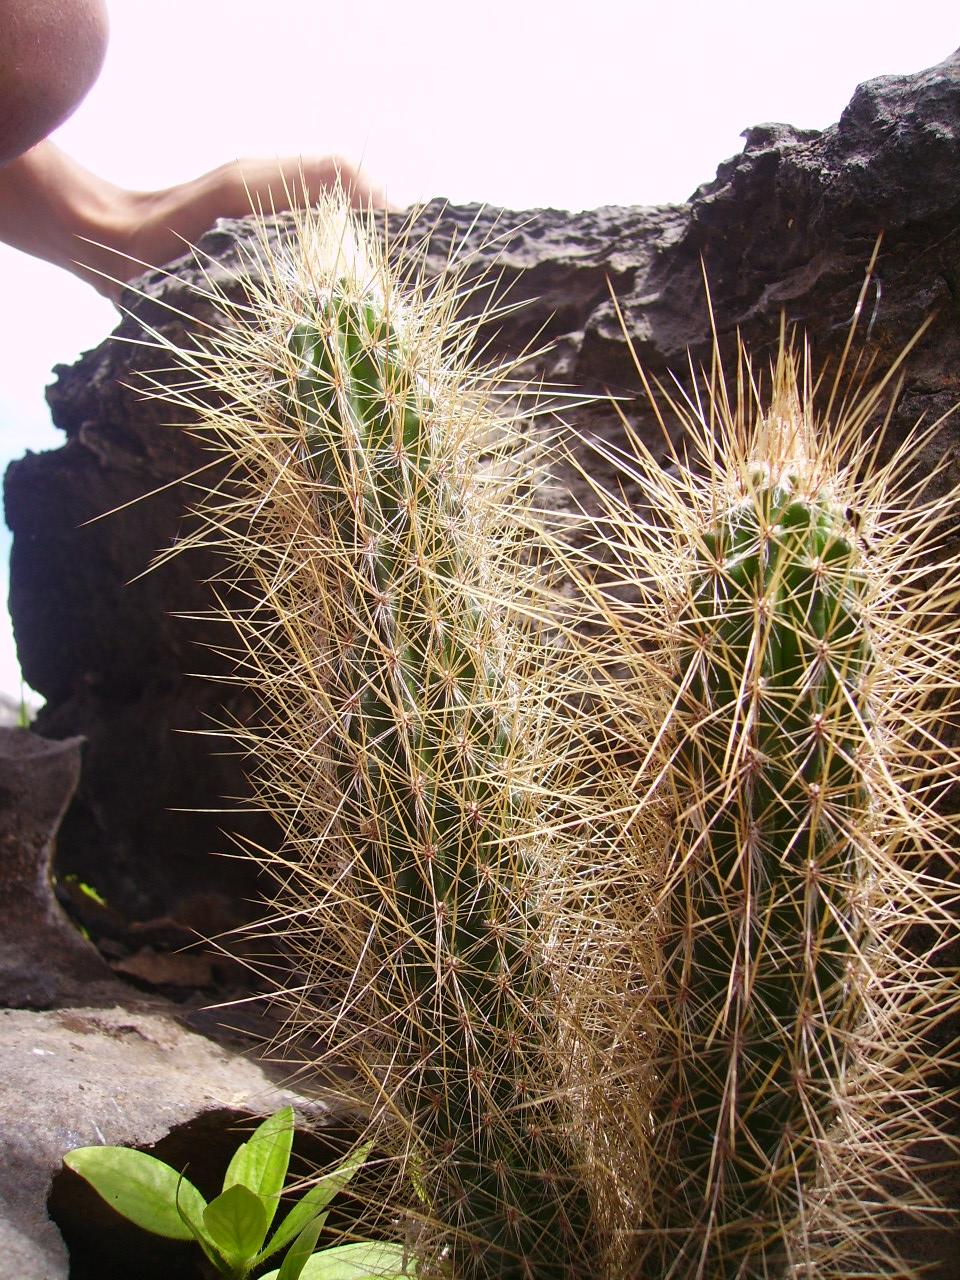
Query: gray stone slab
x,y
84,1076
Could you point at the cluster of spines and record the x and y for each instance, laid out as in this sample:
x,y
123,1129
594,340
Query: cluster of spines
x,y
772,601
422,758
385,571
761,926
648,987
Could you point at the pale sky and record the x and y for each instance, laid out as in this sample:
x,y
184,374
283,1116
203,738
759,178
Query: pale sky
x,y
521,103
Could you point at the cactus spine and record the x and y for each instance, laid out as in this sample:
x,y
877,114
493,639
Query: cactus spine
x,y
472,883
762,926
422,758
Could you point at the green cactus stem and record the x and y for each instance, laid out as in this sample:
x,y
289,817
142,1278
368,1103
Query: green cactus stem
x,y
421,758
611,935
762,929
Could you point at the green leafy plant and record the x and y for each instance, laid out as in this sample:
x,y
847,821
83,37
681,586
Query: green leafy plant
x,y
25,712
86,890
232,1229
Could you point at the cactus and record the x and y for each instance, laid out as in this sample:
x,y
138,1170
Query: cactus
x,y
660,1021
386,636
777,605
422,761
763,925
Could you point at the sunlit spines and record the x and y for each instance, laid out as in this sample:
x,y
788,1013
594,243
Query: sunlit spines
x,y
760,926
772,598
425,741
378,581
555,786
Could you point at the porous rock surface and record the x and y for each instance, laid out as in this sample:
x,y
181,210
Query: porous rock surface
x,y
786,228
44,960
86,1060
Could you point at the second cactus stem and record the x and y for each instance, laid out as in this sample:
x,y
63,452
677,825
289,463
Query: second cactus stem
x,y
783,665
762,927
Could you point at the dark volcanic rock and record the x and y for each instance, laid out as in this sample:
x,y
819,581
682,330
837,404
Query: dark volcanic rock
x,y
791,223
96,637
787,226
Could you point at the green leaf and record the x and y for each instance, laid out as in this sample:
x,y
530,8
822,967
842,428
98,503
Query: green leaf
x,y
374,1260
236,1223
198,1232
316,1199
417,1181
261,1162
301,1249
139,1187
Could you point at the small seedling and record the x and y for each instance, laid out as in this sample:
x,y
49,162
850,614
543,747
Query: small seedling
x,y
85,890
232,1229
25,712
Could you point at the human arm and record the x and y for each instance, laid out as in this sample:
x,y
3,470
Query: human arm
x,y
53,208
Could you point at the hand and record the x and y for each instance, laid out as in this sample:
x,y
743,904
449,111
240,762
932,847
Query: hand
x,y
162,223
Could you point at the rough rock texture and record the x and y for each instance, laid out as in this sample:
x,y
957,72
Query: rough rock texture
x,y
105,652
86,1059
787,226
43,959
80,1077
